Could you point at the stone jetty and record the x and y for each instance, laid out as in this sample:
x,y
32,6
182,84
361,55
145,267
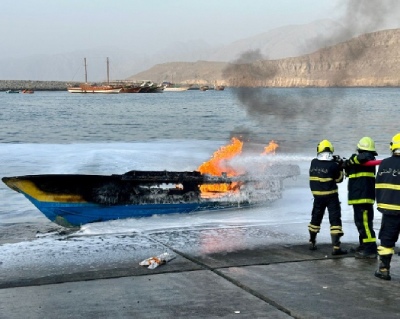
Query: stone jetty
x,y
35,85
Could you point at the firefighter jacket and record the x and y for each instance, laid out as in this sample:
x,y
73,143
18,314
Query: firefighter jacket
x,y
324,176
361,185
387,186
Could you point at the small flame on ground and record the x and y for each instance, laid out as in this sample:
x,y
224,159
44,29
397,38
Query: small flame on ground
x,y
271,148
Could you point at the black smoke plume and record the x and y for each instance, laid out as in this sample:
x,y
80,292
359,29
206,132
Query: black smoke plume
x,y
302,115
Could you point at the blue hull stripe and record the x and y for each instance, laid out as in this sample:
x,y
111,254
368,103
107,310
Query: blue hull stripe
x,y
76,214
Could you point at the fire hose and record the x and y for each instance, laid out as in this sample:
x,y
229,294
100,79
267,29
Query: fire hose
x,y
372,163
341,161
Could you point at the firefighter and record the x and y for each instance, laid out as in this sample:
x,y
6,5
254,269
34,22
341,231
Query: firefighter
x,y
325,173
361,195
387,188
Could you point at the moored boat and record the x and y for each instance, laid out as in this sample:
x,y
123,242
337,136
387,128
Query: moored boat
x,y
148,86
172,87
94,88
175,89
131,89
145,86
88,88
12,91
27,91
75,89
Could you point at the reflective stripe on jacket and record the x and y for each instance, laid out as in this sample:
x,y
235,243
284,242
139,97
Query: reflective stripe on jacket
x,y
387,186
324,176
361,185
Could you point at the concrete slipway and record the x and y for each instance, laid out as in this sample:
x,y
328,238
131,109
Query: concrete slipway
x,y
231,272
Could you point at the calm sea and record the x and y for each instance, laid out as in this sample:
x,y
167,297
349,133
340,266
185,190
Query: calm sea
x,y
298,118
60,132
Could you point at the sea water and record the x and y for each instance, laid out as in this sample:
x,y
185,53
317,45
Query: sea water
x,y
64,133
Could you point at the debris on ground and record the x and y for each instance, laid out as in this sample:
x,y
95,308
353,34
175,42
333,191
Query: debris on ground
x,y
154,262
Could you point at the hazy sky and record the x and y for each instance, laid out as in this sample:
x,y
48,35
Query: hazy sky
x,y
59,26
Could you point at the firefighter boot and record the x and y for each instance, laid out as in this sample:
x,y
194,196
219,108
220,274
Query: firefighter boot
x,y
359,248
369,252
336,251
383,272
312,242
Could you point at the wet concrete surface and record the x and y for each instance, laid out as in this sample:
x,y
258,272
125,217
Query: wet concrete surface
x,y
247,272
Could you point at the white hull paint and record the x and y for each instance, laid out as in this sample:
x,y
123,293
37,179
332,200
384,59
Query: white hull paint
x,y
104,91
179,89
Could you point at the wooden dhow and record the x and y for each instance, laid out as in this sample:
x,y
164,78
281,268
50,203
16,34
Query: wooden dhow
x,y
94,88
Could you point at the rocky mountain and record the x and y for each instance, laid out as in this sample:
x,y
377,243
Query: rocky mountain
x,y
197,73
371,59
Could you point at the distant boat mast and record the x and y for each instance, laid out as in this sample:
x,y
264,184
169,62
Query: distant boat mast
x,y
108,70
84,62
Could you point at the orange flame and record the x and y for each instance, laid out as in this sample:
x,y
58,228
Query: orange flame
x,y
271,148
218,164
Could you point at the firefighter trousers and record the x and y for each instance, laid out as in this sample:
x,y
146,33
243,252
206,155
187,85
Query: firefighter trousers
x,y
363,219
389,232
321,203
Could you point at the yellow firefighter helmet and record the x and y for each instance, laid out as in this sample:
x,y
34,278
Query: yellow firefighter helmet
x,y
325,146
367,144
395,143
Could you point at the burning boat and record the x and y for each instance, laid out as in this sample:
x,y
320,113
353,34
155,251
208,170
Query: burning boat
x,y
74,200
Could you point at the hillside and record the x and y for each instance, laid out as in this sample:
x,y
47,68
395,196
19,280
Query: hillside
x,y
371,59
200,72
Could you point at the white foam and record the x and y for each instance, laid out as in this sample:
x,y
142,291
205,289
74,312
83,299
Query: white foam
x,y
291,213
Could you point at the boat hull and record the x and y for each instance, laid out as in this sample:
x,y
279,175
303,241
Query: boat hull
x,y
178,89
72,215
102,90
74,200
131,89
75,90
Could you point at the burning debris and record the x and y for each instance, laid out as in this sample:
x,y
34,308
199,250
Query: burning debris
x,y
271,148
220,165
217,179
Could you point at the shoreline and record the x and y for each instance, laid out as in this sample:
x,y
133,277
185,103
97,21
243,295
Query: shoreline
x,y
62,86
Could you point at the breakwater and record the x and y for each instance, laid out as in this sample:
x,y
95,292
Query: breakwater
x,y
35,85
